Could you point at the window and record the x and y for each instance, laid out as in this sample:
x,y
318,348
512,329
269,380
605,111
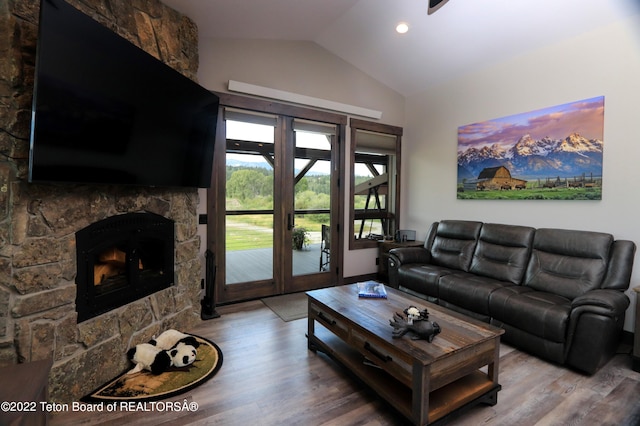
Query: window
x,y
375,182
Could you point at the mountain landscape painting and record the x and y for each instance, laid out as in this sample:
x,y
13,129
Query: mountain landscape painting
x,y
551,153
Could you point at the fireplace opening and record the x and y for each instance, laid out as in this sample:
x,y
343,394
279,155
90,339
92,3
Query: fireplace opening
x,y
121,259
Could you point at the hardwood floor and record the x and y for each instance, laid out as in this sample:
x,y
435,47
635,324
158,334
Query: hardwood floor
x,y
269,377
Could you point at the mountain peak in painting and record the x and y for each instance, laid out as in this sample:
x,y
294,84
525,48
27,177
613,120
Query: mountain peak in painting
x,y
526,146
531,157
576,143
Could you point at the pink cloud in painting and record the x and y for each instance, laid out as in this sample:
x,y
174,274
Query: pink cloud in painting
x,y
584,117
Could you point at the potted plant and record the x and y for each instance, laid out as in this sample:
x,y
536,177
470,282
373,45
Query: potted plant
x,y
300,238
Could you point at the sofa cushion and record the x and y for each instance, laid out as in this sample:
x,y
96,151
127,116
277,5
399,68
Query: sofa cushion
x,y
454,243
468,291
568,263
541,314
502,252
422,278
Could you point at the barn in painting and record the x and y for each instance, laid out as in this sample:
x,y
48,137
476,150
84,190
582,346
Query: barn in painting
x,y
494,178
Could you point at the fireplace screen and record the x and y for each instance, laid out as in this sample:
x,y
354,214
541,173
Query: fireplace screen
x,y
121,259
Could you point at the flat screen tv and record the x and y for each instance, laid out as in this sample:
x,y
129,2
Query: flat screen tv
x,y
106,112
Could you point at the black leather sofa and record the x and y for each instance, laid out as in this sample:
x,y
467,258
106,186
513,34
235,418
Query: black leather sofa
x,y
558,293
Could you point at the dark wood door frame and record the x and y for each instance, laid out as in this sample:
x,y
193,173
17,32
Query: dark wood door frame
x,y
216,210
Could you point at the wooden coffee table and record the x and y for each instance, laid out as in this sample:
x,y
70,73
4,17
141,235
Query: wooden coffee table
x,y
426,382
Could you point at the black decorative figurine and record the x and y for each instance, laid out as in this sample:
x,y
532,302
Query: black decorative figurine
x,y
416,324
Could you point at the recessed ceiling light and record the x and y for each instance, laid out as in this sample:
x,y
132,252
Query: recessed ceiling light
x,y
402,28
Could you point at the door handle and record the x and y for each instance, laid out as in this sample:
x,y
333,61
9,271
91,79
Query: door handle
x,y
289,221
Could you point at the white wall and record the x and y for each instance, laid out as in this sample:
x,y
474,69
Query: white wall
x,y
602,62
296,66
308,69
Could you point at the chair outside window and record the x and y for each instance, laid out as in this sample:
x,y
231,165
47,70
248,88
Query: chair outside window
x,y
325,248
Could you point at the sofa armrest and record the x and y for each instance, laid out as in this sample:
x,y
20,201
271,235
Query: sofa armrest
x,y
406,255
600,301
597,319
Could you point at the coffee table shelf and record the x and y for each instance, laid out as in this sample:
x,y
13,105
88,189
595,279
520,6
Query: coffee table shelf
x,y
441,401
425,383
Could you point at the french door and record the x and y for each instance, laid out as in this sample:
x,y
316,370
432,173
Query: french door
x,y
279,175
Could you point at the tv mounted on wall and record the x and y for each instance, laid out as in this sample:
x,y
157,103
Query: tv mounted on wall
x,y
106,112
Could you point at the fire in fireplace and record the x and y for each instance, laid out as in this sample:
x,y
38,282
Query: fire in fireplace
x,y
121,259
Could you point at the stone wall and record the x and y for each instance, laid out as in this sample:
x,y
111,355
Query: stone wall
x,y
38,222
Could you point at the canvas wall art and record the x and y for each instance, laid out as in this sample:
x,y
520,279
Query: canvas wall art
x,y
553,153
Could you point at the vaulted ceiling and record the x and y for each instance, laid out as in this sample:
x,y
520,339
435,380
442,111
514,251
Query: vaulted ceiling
x,y
462,36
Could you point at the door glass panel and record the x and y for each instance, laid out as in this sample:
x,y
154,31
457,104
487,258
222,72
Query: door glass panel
x,y
312,201
249,231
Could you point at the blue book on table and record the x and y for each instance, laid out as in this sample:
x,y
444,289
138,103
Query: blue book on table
x,y
372,290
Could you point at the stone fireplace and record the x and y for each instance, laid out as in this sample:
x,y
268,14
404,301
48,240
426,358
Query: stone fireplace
x,y
121,259
39,264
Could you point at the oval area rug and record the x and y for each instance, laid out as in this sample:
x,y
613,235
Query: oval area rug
x,y
145,386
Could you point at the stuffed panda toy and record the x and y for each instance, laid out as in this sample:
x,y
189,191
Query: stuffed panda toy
x,y
171,338
181,347
148,357
182,355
